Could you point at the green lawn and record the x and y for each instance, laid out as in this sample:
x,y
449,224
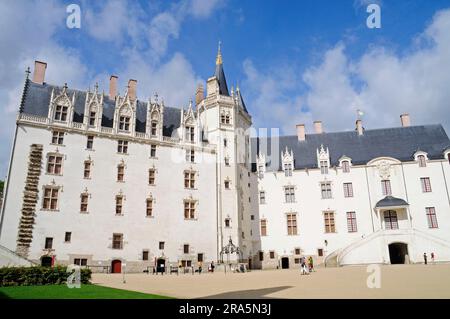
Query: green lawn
x,y
63,292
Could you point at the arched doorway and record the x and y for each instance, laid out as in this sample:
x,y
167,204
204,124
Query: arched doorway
x,y
397,253
46,261
285,263
116,266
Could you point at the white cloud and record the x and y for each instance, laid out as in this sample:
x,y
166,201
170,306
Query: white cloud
x,y
204,8
163,27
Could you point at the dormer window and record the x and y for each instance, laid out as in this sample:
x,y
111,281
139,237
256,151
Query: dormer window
x,y
346,166
154,128
61,113
190,134
124,123
288,169
323,167
422,161
92,119
261,171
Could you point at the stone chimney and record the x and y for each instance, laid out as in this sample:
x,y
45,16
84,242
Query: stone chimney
x,y
199,94
113,86
39,72
318,127
405,120
132,89
301,132
359,127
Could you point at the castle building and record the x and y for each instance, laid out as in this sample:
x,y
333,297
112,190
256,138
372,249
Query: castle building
x,y
107,180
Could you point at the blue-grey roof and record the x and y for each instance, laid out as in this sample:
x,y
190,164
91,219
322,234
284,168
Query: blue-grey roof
x,y
390,201
37,99
220,75
241,100
400,143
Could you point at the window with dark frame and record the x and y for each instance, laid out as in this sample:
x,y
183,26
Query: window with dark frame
x,y
291,224
87,170
189,179
390,220
263,223
58,137
48,242
227,222
348,190
124,123
320,252
50,200
426,184
161,245
289,194
92,119
272,254
151,176
346,167
190,156
54,164
297,251
323,167
153,151
386,187
117,241
431,217
119,205
351,222
262,197
330,226
90,142
61,113
186,249
145,255
154,128
189,209
67,237
261,256
288,169
84,203
325,188
422,161
190,134
122,146
120,173
149,207
200,257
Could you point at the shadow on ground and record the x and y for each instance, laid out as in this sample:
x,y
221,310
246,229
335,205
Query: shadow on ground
x,y
248,294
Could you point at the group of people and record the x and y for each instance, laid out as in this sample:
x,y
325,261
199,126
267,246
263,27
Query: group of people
x,y
425,258
306,265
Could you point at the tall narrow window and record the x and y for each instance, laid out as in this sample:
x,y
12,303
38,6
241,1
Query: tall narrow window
x,y
386,187
48,243
190,156
67,237
287,169
189,209
227,161
289,194
346,167
225,142
348,190
54,165
222,118
227,119
330,226
92,119
154,128
190,133
325,189
431,217
124,123
145,255
149,208
426,184
261,171
422,161
227,222
84,203
323,167
263,227
90,142
161,245
151,176
122,147
262,197
351,222
117,241
119,205
291,224
186,249
153,150
120,173
87,169
61,113
227,184
50,200
390,220
58,137
189,179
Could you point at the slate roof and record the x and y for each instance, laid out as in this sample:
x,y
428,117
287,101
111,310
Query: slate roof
x,y
241,100
390,201
37,100
399,142
220,75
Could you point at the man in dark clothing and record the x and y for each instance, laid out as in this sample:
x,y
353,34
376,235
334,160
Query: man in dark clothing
x,y
425,258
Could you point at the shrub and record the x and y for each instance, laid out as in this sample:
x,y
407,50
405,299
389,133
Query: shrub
x,y
38,275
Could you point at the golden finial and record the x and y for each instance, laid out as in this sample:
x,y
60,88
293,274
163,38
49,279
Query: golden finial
x,y
219,55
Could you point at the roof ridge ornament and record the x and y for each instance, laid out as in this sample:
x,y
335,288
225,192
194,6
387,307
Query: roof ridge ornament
x,y
219,55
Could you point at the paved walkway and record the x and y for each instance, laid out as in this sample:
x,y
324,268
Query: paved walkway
x,y
397,281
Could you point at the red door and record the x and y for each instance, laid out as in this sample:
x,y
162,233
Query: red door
x,y
116,267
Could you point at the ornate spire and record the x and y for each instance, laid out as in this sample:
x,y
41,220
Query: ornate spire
x,y
219,55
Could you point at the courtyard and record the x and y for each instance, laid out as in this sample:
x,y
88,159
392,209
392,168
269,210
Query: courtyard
x,y
397,281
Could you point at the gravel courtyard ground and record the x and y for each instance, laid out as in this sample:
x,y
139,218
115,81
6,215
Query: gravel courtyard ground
x,y
397,281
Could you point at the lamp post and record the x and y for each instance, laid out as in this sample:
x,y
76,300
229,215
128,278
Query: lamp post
x,y
124,265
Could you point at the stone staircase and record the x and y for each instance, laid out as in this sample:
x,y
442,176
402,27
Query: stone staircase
x,y
8,258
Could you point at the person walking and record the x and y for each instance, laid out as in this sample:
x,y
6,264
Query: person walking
x,y
432,257
425,258
212,266
304,270
310,264
200,264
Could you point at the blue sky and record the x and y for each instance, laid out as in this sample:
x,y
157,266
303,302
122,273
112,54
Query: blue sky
x,y
295,61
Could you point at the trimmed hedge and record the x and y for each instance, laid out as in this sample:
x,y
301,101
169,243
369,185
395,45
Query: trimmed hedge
x,y
38,275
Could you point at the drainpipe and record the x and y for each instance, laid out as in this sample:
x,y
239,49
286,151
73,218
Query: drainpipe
x,y
407,199
445,183
370,199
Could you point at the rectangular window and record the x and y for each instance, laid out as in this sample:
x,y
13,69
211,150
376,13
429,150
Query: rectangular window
x,y
390,220
225,142
323,167
297,251
124,123
84,203
119,205
90,142
189,179
154,128
261,256
426,184
227,161
153,151
345,167
186,249
227,184
50,201
151,176
200,258
431,217
190,134
325,188
330,226
263,227
92,119
87,170
48,243
351,222
272,255
422,161
227,222
120,173
261,171
161,245
54,164
292,224
289,194
57,137
80,261
296,260
61,113
262,197
186,263
67,237
320,252
386,187
149,207
288,169
145,255
348,190
117,241
122,147
190,156
189,209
